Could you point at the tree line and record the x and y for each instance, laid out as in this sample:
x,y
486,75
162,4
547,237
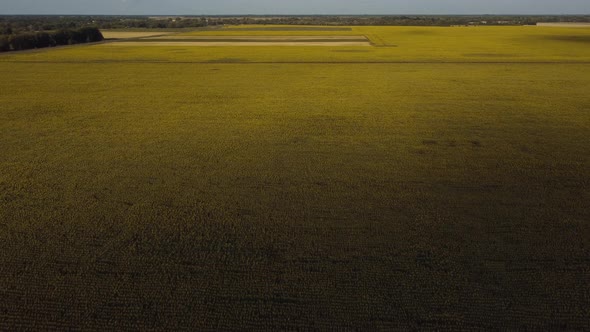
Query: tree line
x,y
18,24
397,20
31,40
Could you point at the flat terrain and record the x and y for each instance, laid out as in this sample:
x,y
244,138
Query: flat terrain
x,y
438,179
390,45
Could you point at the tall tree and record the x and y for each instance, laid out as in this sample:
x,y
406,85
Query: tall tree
x,y
4,44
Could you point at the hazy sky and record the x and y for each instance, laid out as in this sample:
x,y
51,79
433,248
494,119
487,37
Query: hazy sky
x,y
212,7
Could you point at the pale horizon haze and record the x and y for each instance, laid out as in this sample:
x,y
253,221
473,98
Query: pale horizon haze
x,y
302,7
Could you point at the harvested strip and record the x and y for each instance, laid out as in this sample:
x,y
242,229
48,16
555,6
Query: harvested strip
x,y
242,43
130,34
261,38
254,40
565,25
290,29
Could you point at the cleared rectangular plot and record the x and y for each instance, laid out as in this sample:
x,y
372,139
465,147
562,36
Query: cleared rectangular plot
x,y
565,25
278,28
107,34
251,41
245,43
263,38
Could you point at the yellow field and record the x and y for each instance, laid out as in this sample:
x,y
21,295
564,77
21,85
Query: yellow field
x,y
392,44
436,180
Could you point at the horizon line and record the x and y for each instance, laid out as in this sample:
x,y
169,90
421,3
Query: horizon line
x,y
300,15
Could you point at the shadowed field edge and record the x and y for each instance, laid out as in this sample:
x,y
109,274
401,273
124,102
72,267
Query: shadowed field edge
x,y
295,62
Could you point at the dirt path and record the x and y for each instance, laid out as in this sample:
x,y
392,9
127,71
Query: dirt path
x,y
243,43
107,34
265,38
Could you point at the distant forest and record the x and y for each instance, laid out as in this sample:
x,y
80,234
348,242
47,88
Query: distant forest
x,y
19,40
28,32
17,24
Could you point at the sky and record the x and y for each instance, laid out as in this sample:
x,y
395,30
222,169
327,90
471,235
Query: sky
x,y
291,7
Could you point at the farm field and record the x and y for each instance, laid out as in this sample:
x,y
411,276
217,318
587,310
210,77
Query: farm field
x,y
115,34
437,179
